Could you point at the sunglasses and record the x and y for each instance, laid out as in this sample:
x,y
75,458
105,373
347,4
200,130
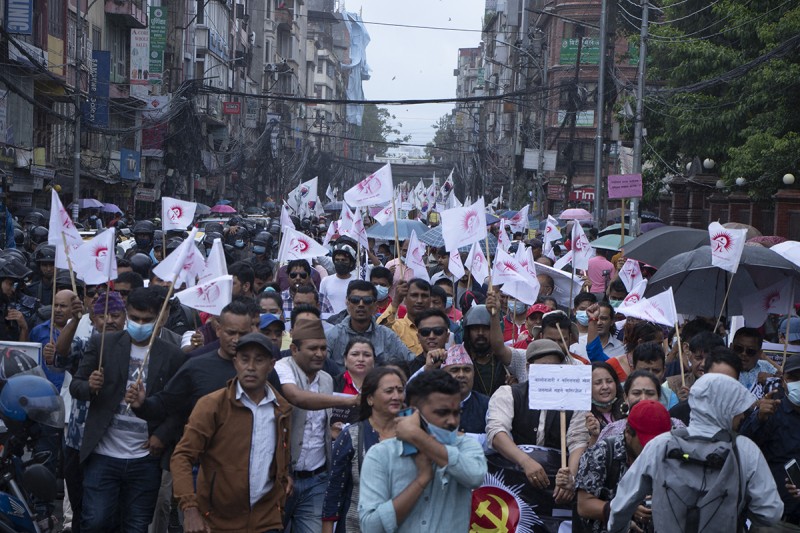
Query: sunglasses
x,y
91,293
123,293
301,275
357,300
426,332
739,349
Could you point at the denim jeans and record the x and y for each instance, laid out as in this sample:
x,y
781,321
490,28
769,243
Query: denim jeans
x,y
119,494
304,506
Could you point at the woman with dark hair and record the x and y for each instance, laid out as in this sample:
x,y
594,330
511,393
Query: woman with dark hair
x,y
359,359
381,400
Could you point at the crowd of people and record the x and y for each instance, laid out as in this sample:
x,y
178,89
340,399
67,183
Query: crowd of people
x,y
345,394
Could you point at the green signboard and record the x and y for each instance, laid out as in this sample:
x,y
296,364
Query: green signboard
x,y
590,51
158,38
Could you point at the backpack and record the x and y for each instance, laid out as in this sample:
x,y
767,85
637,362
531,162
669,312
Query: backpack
x,y
699,485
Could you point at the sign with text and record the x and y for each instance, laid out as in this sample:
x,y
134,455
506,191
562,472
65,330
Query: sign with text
x,y
625,186
231,108
96,106
19,17
158,40
560,387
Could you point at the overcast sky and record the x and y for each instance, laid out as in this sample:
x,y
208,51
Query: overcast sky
x,y
411,63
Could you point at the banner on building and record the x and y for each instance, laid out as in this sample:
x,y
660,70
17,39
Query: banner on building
x,y
95,108
158,41
129,161
140,63
19,17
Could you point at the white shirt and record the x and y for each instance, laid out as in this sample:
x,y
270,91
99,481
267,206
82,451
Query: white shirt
x,y
335,289
262,443
312,450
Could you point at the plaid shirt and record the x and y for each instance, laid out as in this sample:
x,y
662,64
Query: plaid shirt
x,y
288,305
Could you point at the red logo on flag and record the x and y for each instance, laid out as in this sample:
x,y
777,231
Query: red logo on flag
x,y
369,185
722,242
771,299
100,256
175,213
298,246
209,293
471,221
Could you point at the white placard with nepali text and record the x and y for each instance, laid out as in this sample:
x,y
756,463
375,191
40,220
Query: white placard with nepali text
x,y
560,387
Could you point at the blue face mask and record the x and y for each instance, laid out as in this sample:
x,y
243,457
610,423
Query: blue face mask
x,y
793,392
615,303
517,308
383,292
239,244
442,436
448,303
258,250
140,332
582,317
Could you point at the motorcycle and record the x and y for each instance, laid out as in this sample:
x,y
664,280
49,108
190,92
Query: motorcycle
x,y
27,487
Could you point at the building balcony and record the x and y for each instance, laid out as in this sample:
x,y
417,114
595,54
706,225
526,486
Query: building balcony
x,y
284,16
129,13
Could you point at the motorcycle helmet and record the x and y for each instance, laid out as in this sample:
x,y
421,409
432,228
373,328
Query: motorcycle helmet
x,y
158,238
15,362
19,237
27,397
13,268
141,264
14,254
210,237
143,233
45,254
214,227
478,315
38,235
262,243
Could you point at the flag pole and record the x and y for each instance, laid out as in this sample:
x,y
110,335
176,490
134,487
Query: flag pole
x,y
680,353
69,264
358,260
397,241
103,335
788,328
156,328
622,225
724,301
489,287
53,307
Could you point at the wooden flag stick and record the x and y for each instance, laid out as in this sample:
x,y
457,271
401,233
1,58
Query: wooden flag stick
x,y
103,335
69,264
156,328
563,427
680,354
487,260
622,224
563,341
397,242
724,302
53,307
358,260
788,329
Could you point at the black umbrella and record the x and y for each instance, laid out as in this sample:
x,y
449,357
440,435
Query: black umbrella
x,y
656,247
699,287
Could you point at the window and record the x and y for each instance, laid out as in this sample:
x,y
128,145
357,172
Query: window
x,y
97,38
201,16
267,56
55,18
320,66
120,50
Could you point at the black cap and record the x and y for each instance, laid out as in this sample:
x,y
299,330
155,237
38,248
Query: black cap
x,y
256,338
792,364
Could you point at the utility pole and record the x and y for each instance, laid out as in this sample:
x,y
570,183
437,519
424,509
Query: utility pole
x,y
599,151
76,142
639,124
542,128
575,105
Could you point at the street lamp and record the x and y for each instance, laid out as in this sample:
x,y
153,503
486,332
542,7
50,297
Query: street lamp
x,y
740,181
709,163
788,179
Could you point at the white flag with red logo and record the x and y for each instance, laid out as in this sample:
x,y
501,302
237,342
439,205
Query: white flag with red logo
x,y
462,226
60,222
345,219
551,231
415,257
330,193
384,215
659,309
95,261
62,261
215,263
303,198
477,264
455,266
183,264
286,220
634,295
333,228
631,273
525,259
447,189
581,249
296,245
775,299
356,231
563,261
525,291
208,297
375,189
503,241
519,222
507,269
727,245
176,214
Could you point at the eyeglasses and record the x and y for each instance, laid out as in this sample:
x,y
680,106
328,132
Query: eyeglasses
x,y
357,300
739,349
301,275
91,293
123,293
426,332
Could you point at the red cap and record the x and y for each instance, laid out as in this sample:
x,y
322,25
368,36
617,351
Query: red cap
x,y
538,308
650,419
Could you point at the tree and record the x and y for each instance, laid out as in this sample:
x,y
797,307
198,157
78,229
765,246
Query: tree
x,y
376,130
748,122
444,140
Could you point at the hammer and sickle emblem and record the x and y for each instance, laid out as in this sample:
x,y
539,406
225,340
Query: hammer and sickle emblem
x,y
499,522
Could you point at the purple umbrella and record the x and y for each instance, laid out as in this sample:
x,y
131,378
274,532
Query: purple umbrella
x,y
222,209
111,208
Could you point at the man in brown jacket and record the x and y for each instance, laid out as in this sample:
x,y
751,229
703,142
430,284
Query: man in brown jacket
x,y
240,437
